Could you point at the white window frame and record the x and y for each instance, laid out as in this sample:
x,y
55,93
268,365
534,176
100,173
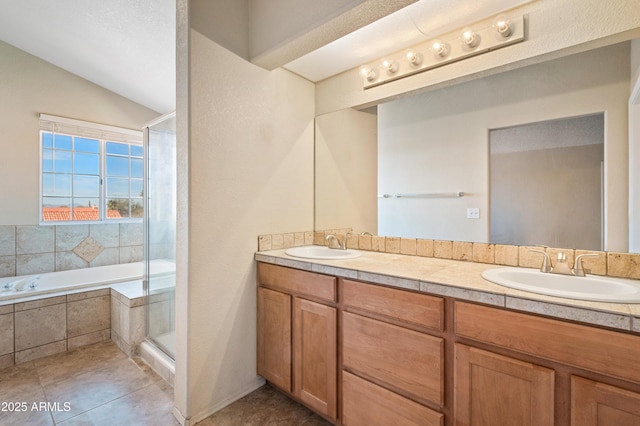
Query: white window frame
x,y
103,133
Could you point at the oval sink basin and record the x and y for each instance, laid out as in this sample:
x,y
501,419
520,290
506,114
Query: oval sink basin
x,y
321,252
591,287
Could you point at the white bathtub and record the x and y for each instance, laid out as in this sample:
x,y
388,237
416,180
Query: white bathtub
x,y
28,286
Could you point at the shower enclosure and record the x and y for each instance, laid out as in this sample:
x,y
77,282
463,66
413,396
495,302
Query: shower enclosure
x,y
160,232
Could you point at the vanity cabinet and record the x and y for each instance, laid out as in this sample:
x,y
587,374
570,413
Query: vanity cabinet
x,y
557,373
297,335
393,368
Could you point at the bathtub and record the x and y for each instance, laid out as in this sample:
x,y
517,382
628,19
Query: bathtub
x,y
62,282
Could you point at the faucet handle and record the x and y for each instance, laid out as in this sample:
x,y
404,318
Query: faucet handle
x,y
578,268
546,261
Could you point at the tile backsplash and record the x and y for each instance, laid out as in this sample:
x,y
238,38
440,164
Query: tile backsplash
x,y
34,249
623,265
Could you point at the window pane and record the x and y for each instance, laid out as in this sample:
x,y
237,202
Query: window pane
x,y
61,161
86,145
47,140
56,184
136,207
118,187
86,209
137,150
117,148
47,160
56,209
62,142
117,208
86,186
117,166
86,164
136,188
136,167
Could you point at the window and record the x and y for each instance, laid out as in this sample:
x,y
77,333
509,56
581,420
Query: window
x,y
89,172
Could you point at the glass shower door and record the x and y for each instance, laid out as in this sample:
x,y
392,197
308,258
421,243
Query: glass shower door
x,y
160,232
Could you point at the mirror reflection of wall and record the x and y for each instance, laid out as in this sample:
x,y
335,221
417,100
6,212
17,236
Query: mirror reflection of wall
x,y
546,183
437,141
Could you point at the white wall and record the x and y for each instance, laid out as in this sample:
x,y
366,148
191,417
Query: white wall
x,y
30,86
245,138
443,137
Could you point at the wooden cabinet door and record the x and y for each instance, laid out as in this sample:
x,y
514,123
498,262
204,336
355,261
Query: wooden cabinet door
x,y
594,403
494,390
274,337
315,356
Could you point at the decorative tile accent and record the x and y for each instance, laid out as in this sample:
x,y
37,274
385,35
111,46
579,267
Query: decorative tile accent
x,y
108,256
88,249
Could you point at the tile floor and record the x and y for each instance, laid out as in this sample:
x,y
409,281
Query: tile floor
x,y
100,385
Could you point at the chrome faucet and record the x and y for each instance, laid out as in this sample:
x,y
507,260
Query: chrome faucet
x,y
342,245
561,266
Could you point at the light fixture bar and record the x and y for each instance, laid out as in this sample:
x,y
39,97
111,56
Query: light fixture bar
x,y
455,46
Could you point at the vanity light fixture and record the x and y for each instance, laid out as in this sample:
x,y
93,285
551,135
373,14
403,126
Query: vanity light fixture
x,y
440,49
503,26
490,34
414,58
470,38
390,66
368,73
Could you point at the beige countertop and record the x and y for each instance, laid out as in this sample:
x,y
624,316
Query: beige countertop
x,y
460,280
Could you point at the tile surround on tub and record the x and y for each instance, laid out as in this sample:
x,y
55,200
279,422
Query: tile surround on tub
x,y
621,265
35,249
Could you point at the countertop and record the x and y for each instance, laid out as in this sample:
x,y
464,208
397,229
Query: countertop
x,y
460,280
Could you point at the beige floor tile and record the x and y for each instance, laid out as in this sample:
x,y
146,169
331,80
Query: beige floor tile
x,y
77,362
95,388
147,406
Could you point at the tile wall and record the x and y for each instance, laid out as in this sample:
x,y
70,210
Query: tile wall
x,y
33,329
624,265
34,249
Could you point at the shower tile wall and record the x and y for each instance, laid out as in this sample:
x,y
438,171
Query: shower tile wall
x,y
34,249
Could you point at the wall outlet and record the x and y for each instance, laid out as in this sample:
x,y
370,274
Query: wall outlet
x,y
473,213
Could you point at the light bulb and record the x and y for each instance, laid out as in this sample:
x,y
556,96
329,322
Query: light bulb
x,y
470,38
503,26
368,73
414,57
391,67
440,49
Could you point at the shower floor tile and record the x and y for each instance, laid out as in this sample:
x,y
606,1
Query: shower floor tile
x,y
99,385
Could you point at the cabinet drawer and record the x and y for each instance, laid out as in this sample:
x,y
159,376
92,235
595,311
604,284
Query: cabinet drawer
x,y
297,282
364,403
591,348
403,360
413,308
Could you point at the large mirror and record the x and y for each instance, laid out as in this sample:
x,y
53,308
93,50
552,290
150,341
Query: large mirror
x,y
436,145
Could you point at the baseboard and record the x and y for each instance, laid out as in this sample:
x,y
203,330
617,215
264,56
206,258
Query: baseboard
x,y
258,382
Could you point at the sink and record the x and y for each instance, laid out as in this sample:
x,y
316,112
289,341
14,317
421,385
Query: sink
x,y
321,252
591,287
